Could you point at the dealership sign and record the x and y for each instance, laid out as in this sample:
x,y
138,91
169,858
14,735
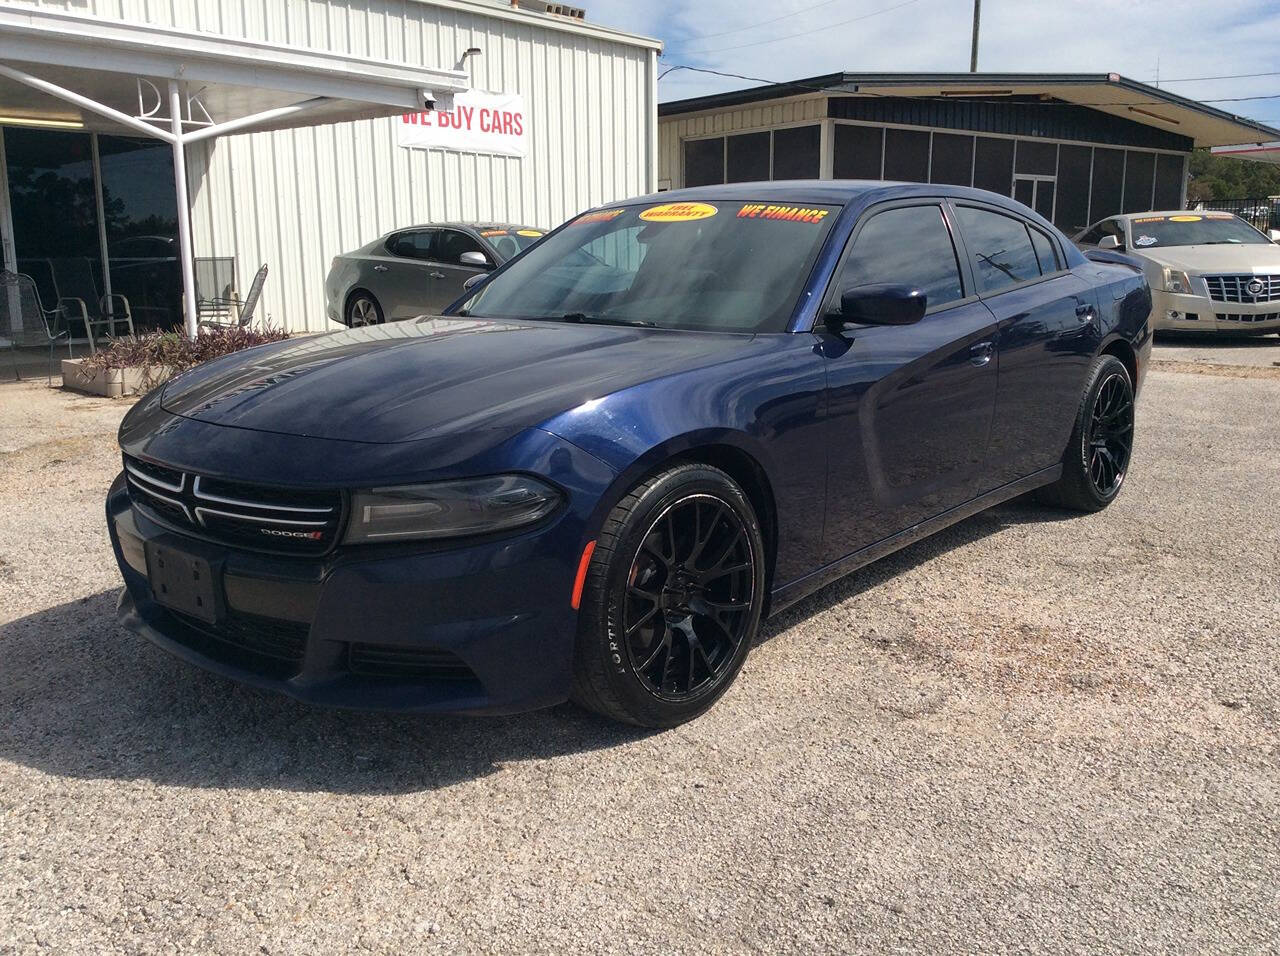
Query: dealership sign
x,y
478,123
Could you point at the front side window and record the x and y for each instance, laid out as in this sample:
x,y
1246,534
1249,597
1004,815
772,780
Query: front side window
x,y
1000,246
716,265
908,246
451,244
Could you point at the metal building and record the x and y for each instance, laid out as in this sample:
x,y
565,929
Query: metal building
x,y
1077,148
291,115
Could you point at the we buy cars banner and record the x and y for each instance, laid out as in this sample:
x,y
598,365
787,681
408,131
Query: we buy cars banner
x,y
478,123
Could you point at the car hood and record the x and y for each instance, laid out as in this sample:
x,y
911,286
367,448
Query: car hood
x,y
1257,258
406,381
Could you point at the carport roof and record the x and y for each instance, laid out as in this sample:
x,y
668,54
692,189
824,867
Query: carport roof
x,y
1106,92
234,77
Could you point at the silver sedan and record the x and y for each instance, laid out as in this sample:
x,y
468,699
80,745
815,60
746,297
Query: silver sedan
x,y
418,270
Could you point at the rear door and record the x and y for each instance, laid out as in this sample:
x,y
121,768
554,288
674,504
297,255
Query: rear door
x,y
400,279
909,407
1047,333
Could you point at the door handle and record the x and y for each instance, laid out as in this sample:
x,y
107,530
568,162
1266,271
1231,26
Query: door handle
x,y
379,268
980,354
436,275
1086,314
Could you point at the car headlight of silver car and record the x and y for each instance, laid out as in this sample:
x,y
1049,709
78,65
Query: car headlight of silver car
x,y
449,509
1178,282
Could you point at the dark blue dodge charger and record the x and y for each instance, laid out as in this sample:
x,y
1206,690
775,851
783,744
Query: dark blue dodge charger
x,y
594,475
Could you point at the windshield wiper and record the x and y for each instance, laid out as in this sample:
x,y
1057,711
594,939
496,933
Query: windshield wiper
x,y
585,319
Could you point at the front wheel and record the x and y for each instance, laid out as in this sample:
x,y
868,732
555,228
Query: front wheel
x,y
672,599
1096,461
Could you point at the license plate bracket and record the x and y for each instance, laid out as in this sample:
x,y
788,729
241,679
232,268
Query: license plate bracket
x,y
182,582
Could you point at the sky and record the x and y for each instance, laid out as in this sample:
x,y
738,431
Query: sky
x,y
1141,39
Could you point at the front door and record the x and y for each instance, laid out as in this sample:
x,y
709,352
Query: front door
x,y
909,407
449,272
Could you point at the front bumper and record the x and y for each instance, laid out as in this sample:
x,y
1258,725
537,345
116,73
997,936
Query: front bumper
x,y
1195,313
480,627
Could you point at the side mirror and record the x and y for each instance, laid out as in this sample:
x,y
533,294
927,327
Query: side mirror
x,y
879,305
474,281
477,260
1274,235
1110,242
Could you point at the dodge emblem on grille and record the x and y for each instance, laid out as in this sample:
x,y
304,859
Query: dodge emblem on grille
x,y
1255,287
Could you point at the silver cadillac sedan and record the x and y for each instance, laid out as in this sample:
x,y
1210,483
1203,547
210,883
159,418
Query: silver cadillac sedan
x,y
417,270
1208,271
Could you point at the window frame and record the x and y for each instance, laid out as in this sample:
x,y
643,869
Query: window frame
x,y
1027,225
831,295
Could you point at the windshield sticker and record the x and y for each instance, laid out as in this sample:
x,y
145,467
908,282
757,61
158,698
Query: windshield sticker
x,y
1145,241
529,233
1151,219
785,213
493,232
600,215
679,212
1185,218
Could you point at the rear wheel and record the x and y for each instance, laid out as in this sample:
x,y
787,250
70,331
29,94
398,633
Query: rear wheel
x,y
672,599
363,309
1097,458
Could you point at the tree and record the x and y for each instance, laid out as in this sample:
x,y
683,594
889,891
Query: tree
x,y
1221,177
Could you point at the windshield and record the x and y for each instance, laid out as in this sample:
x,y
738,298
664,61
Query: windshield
x,y
721,266
511,242
1192,229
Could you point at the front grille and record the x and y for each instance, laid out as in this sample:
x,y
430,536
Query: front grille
x,y
1248,317
395,662
266,646
264,518
1235,288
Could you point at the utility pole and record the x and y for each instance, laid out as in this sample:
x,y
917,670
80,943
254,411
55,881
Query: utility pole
x,y
973,53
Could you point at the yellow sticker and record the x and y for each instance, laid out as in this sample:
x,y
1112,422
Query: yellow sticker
x,y
1185,218
600,215
679,212
529,233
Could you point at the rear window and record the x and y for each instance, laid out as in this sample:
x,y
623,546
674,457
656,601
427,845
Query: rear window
x,y
1000,246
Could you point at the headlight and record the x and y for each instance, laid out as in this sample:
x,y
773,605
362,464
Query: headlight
x,y
448,509
1178,282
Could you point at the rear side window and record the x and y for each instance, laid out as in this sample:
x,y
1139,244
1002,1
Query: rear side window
x,y
910,246
412,245
1001,249
1046,251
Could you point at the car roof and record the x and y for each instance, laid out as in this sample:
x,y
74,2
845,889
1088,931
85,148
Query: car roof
x,y
475,226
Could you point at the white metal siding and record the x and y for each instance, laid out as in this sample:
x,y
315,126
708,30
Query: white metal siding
x,y
296,198
673,131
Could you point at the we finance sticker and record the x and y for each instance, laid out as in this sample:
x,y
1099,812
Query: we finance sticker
x,y
679,212
783,213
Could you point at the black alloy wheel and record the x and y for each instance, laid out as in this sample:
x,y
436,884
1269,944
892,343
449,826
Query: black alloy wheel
x,y
1111,435
689,597
672,599
1097,458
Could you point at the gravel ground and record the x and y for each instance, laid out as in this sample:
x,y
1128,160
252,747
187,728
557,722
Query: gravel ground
x,y
1029,732
1258,351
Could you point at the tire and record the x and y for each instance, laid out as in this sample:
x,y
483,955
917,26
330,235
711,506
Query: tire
x,y
363,309
665,623
1097,458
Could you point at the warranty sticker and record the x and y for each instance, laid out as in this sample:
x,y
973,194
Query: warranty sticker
x,y
784,213
600,215
679,212
1185,218
529,233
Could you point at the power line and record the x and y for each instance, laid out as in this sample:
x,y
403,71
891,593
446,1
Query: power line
x,y
803,33
1232,76
762,23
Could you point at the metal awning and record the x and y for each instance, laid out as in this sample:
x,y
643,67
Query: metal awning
x,y
1200,123
1261,152
65,70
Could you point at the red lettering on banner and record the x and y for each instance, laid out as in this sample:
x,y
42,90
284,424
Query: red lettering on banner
x,y
518,124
